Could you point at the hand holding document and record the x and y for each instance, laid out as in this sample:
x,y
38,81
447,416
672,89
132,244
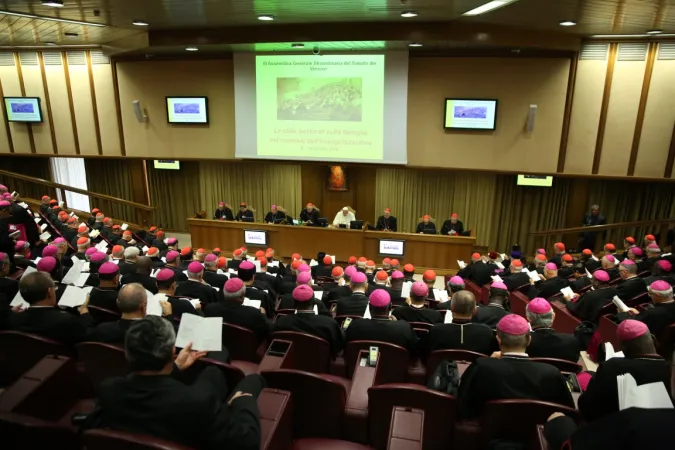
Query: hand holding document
x,y
567,292
74,296
43,226
645,396
19,301
205,333
461,264
534,276
620,305
441,295
497,279
252,303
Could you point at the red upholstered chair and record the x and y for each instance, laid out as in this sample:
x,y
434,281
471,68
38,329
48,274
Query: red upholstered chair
x,y
608,309
562,364
437,356
326,444
522,289
638,299
115,440
241,343
383,398
312,354
102,361
517,419
474,289
233,374
16,275
607,329
20,432
518,302
564,321
393,360
21,351
101,315
318,401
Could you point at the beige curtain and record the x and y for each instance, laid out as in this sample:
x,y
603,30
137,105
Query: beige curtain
x,y
260,186
175,193
110,177
412,193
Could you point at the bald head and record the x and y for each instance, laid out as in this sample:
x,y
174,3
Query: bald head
x,y
143,265
463,304
132,298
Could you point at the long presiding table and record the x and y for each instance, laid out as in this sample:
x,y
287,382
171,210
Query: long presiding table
x,y
424,251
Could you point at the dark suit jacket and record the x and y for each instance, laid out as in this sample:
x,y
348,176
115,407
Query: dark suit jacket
x,y
507,378
410,314
223,214
461,335
548,288
196,415
193,289
601,397
580,283
52,323
236,313
656,318
588,306
354,305
147,281
8,290
338,292
428,228
389,224
104,298
306,216
277,217
548,343
178,273
287,302
111,332
384,330
448,225
490,315
214,279
515,280
478,272
126,267
321,326
627,289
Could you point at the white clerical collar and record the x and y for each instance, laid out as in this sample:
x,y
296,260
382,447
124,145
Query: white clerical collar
x,y
516,354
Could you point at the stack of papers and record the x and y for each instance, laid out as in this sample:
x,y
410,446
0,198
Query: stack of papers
x,y
646,396
205,333
252,303
534,276
448,317
37,220
153,307
258,269
461,264
611,353
74,296
441,295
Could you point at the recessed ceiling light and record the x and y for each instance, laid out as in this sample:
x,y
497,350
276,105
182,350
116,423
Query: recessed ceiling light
x,y
298,45
487,7
49,43
140,23
616,36
409,14
567,23
654,32
54,3
414,44
52,19
191,49
265,17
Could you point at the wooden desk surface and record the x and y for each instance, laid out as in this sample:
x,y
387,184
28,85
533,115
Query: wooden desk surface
x,y
421,250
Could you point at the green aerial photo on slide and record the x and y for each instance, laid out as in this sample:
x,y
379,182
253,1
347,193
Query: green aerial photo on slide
x,y
319,99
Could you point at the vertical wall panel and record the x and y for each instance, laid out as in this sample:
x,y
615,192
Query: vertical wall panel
x,y
659,119
11,87
32,79
585,115
58,95
624,100
84,113
107,115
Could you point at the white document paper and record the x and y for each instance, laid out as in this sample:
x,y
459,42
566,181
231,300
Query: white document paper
x,y
296,222
153,307
19,301
205,333
195,303
318,295
86,268
316,309
102,246
74,273
37,260
273,263
534,275
313,263
114,261
154,273
567,292
332,259
234,271
500,265
124,226
503,256
497,279
82,279
43,226
448,317
405,289
252,303
441,295
24,205
163,258
595,258
145,249
620,305
45,236
72,213
37,220
94,234
74,296
366,315
29,269
250,258
663,255
461,264
645,396
186,274
611,353
258,269
588,274
220,272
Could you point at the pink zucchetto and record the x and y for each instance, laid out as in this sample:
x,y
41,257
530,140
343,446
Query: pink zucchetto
x,y
539,305
457,280
46,264
513,325
610,258
601,275
195,267
108,268
359,277
419,288
165,275
98,257
498,285
50,250
303,293
551,266
303,278
246,265
303,268
397,275
233,285
664,265
90,251
379,298
637,251
660,286
631,329
350,270
210,258
171,256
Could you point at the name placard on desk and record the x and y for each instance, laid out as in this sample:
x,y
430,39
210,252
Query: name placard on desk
x,y
391,247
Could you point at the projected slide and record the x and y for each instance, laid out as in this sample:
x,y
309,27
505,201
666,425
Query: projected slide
x,y
470,114
186,110
330,106
23,109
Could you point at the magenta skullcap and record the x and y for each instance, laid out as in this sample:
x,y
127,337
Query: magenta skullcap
x,y
637,251
397,275
171,241
630,329
50,250
46,264
98,257
551,266
165,275
274,206
303,268
59,240
108,268
90,251
659,285
541,251
303,278
195,267
457,280
359,277
664,265
654,245
498,285
20,245
627,262
539,305
350,270
5,204
3,187
171,256
513,324
303,293
210,258
419,289
233,285
379,298
601,275
246,265
610,258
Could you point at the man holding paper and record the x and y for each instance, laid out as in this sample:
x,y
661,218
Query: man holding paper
x,y
661,315
152,401
414,309
590,303
195,287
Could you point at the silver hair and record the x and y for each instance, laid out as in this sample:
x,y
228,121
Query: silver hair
x,y
195,274
238,294
149,343
131,252
131,296
630,268
595,207
540,320
663,294
653,250
611,263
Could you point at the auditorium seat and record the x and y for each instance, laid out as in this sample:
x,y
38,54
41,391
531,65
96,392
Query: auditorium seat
x,y
314,350
437,356
562,364
242,343
484,294
406,429
102,361
474,289
607,329
114,440
327,444
543,444
637,300
21,351
518,302
101,315
276,419
393,360
284,312
517,419
318,401
16,275
564,321
22,432
384,398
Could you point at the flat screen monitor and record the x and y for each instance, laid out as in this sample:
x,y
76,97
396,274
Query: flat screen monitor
x,y
255,237
187,110
356,224
391,247
470,114
168,164
535,180
322,222
23,109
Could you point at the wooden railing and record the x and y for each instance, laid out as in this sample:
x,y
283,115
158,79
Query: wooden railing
x,y
614,232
